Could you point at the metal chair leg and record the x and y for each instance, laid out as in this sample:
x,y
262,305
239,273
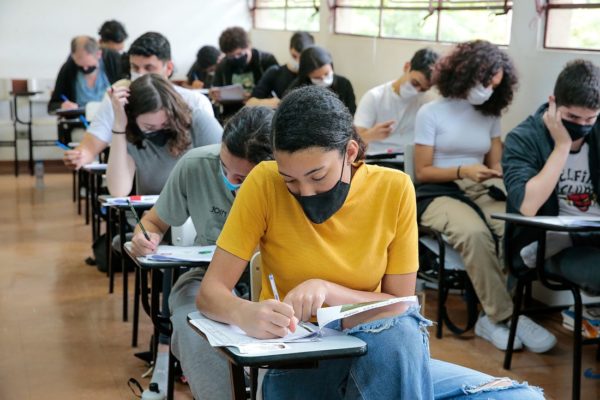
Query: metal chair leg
x,y
518,300
577,340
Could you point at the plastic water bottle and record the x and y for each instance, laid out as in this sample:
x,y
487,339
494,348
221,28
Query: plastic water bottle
x,y
38,171
158,383
153,393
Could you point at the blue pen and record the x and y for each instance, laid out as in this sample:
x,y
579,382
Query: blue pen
x,y
64,98
62,145
84,121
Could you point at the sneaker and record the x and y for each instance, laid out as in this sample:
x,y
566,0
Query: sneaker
x,y
497,334
535,338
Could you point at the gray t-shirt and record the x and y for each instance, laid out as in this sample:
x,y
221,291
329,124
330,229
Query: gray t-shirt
x,y
154,162
196,189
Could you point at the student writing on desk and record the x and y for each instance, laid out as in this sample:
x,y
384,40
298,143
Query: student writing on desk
x,y
311,214
203,186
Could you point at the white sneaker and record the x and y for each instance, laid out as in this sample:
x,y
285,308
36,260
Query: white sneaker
x,y
495,333
535,337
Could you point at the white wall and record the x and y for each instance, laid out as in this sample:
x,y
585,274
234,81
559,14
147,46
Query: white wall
x,y
35,37
368,62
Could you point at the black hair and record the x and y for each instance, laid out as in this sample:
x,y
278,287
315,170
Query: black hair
x,y
85,43
207,56
233,38
313,116
311,59
301,40
247,134
151,44
578,84
113,31
423,61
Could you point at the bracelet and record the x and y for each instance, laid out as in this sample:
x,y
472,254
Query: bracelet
x,y
458,172
117,132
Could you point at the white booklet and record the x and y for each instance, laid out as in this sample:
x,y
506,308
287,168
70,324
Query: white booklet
x,y
232,92
135,200
183,253
220,334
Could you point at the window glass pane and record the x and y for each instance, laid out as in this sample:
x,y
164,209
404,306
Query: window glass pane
x,y
269,3
574,2
460,26
408,24
359,3
573,28
302,19
269,19
357,21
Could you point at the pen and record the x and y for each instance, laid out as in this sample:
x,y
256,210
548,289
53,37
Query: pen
x,y
273,287
84,120
64,98
62,145
137,219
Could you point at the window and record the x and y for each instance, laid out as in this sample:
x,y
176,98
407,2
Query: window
x,y
572,24
433,20
290,15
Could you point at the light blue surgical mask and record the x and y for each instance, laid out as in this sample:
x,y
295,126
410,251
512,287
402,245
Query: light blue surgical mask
x,y
231,186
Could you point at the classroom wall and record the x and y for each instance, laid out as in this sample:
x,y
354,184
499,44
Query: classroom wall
x,y
368,62
35,37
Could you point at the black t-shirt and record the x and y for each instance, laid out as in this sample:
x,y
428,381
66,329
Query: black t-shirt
x,y
276,80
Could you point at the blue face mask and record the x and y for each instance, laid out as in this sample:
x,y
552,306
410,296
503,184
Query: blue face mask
x,y
229,185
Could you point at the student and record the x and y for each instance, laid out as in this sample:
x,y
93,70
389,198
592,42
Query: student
x,y
85,76
152,129
457,163
316,68
276,80
150,53
112,36
309,213
242,64
203,186
202,72
550,167
385,117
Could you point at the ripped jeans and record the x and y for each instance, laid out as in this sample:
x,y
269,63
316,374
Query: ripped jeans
x,y
396,366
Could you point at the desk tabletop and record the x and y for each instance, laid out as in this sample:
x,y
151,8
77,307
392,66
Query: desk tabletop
x,y
328,347
145,263
553,223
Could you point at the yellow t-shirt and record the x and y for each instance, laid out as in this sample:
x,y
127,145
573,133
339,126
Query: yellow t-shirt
x,y
373,234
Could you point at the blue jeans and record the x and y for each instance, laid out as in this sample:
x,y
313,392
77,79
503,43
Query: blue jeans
x,y
396,366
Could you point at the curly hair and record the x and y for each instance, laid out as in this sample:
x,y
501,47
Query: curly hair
x,y
152,93
475,62
233,38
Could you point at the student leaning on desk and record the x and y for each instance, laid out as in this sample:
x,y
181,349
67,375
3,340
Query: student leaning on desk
x,y
202,186
312,214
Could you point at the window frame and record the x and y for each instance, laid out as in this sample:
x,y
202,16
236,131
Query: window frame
x,y
547,7
432,9
254,5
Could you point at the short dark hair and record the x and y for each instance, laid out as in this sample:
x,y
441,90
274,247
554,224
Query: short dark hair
x,y
301,40
313,116
113,31
233,38
423,61
311,59
85,43
247,134
578,84
207,56
471,63
151,44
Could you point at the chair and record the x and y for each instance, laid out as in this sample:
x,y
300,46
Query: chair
x,y
447,269
553,282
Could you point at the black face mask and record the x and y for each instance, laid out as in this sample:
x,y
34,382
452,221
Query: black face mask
x,y
577,131
159,137
320,207
88,70
238,63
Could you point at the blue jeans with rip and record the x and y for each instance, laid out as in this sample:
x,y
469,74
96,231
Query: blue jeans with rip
x,y
396,366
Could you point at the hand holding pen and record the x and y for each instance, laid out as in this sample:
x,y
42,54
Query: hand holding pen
x,y
143,242
67,104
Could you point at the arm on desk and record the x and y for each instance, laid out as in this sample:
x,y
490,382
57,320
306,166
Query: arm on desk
x,y
85,153
155,227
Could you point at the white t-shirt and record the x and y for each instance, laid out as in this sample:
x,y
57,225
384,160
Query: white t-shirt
x,y
458,133
382,104
576,195
102,124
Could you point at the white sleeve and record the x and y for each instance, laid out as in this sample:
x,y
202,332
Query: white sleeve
x,y
196,100
204,104
496,130
365,115
425,126
101,126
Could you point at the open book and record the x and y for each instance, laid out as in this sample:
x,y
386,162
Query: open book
x,y
219,334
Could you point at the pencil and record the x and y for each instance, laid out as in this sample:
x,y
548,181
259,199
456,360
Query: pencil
x,y
137,219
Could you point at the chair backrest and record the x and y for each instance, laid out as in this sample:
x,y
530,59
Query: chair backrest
x,y
255,277
184,235
409,161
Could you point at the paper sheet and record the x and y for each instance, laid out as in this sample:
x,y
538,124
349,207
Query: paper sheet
x,y
183,253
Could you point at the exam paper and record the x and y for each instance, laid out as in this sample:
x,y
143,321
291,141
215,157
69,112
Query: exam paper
x,y
183,253
139,200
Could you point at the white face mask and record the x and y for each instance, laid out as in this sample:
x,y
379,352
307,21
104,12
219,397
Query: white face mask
x,y
134,75
479,94
294,65
325,82
408,91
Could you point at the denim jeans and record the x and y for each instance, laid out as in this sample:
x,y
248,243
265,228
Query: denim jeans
x,y
396,366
